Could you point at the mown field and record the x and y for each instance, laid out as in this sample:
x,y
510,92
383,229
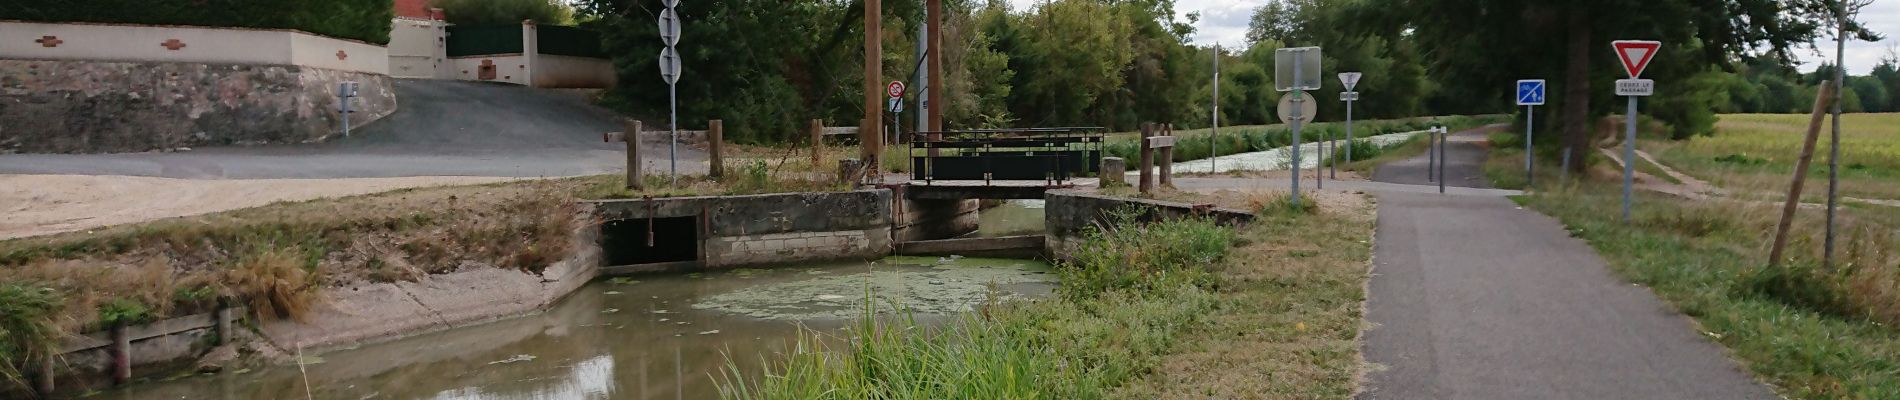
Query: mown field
x,y
1757,153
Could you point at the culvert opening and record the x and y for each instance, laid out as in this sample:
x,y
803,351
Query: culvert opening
x,y
626,241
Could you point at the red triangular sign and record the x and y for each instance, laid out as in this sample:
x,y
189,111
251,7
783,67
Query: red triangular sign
x,y
1636,54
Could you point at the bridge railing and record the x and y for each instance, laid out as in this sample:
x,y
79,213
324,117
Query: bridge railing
x,y
1052,155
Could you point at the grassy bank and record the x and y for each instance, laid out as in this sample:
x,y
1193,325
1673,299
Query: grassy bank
x,y
1813,333
274,259
1143,312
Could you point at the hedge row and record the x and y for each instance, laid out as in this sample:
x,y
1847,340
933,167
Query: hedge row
x,y
365,20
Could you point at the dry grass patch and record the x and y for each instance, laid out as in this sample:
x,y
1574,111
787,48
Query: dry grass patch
x,y
1288,317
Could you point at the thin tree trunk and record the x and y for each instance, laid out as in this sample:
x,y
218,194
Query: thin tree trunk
x,y
1576,101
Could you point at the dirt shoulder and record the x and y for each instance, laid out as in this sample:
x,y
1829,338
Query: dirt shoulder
x,y
46,204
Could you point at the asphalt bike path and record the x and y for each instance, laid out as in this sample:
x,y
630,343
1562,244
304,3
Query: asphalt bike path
x,y
1473,297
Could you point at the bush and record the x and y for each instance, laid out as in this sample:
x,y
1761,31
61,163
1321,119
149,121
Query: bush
x,y
365,20
504,12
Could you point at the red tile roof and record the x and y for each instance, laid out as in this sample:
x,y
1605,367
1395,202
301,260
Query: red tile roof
x,y
412,8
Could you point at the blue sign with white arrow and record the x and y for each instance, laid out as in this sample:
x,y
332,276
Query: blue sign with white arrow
x,y
1530,92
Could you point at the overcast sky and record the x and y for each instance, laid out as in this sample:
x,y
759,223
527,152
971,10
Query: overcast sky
x,y
1225,22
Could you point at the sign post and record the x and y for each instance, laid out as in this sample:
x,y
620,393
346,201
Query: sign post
x,y
1349,80
1213,125
1635,55
1530,94
670,71
1296,70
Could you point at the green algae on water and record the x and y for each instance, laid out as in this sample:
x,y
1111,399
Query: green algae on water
x,y
924,285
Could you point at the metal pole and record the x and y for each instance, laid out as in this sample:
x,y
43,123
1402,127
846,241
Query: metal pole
x,y
923,74
1348,131
1444,135
1431,155
1629,156
1213,137
1297,97
1834,139
1530,167
1319,165
673,145
1563,175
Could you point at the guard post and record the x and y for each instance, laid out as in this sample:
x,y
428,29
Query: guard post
x,y
631,136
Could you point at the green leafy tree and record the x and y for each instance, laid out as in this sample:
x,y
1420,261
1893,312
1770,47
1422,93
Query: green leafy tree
x,y
505,12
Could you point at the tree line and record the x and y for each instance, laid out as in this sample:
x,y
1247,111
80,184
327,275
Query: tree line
x,y
767,66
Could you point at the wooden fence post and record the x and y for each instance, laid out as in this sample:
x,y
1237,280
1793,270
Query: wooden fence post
x,y
1800,172
1167,158
1147,158
223,322
632,137
817,142
121,351
716,144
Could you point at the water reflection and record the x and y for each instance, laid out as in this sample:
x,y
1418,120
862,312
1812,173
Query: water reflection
x,y
625,340
1013,217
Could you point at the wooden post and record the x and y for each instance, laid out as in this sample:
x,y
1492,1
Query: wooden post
x,y
1166,159
223,322
716,144
632,137
43,382
1800,172
1147,159
817,142
121,351
870,130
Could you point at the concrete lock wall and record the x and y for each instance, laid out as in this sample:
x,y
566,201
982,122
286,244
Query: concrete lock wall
x,y
798,227
76,88
1069,214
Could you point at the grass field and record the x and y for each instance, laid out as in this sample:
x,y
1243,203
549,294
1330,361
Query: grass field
x,y
1757,152
1812,331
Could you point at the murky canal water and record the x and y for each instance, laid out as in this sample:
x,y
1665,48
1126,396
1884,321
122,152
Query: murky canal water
x,y
662,337
1013,217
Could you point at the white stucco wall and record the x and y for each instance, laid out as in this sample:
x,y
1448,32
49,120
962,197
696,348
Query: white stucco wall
x,y
552,71
107,42
510,68
417,49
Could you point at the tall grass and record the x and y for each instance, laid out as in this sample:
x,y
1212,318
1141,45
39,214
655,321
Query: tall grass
x,y
28,332
1122,307
1812,332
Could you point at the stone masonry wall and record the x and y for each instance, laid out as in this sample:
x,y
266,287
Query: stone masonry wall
x,y
774,228
95,106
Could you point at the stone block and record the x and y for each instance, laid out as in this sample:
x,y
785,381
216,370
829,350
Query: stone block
x,y
1114,172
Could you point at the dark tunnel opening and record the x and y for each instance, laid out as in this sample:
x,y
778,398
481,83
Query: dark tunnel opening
x,y
626,241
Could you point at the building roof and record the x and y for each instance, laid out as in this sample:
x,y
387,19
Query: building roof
x,y
413,9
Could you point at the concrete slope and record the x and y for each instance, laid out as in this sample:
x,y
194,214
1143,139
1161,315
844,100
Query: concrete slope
x,y
1475,298
441,128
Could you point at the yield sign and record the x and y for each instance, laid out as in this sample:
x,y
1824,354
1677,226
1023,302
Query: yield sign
x,y
1349,79
1635,54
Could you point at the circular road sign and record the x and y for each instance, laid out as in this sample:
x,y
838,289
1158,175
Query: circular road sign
x,y
1308,107
669,27
670,65
895,89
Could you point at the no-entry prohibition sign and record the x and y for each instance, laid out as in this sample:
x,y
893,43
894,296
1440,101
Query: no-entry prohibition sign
x,y
895,89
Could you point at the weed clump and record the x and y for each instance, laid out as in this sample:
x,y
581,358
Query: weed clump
x,y
28,332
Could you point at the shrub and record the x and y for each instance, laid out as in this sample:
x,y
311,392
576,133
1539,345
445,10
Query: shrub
x,y
365,20
505,12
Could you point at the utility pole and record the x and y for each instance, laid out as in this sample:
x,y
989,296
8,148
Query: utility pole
x,y
934,88
871,133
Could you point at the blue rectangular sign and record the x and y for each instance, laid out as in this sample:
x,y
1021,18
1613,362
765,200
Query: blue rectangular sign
x,y
1530,92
